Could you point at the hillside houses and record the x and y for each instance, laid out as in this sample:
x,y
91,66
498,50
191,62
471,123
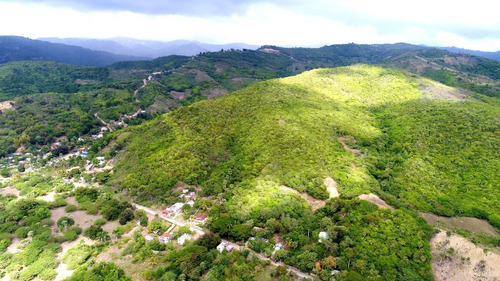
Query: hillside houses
x,y
176,209
200,218
184,237
224,246
165,238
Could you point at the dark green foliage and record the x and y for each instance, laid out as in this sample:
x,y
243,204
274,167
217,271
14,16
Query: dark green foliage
x,y
65,222
126,216
95,232
209,240
441,157
15,48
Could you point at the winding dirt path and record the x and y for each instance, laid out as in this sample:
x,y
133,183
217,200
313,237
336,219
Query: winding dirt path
x,y
145,82
103,122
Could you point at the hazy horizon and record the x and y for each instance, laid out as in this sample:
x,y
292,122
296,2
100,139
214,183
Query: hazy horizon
x,y
260,22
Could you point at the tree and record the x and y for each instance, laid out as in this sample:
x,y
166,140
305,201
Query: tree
x,y
209,240
329,262
126,216
65,222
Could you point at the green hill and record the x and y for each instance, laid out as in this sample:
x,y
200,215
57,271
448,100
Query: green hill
x,y
369,128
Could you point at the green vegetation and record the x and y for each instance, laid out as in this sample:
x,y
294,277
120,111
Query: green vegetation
x,y
100,272
441,157
29,77
38,257
292,132
366,127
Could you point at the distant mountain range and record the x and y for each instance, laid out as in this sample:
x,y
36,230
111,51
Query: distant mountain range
x,y
15,48
148,48
488,55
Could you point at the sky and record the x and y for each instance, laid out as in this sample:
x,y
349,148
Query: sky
x,y
467,24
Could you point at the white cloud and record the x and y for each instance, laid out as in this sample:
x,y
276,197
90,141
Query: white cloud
x,y
318,23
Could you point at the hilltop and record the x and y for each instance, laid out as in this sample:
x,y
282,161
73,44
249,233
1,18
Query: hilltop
x,y
292,132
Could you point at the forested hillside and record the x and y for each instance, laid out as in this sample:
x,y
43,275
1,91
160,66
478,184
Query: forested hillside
x,y
369,128
15,48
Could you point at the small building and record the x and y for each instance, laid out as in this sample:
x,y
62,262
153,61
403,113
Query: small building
x,y
224,246
190,203
81,139
104,129
184,237
201,218
164,238
190,196
176,208
322,236
148,238
184,191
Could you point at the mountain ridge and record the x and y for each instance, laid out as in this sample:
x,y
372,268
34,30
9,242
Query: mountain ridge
x,y
148,48
16,48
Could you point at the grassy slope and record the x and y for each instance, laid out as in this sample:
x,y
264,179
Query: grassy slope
x,y
286,131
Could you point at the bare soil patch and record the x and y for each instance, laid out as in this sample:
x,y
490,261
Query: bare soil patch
x,y
81,219
473,225
177,95
465,262
86,81
6,105
354,151
132,269
375,200
110,226
62,270
331,186
442,92
315,203
13,245
49,197
213,92
9,190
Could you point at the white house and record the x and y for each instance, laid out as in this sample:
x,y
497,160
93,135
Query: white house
x,y
164,238
184,237
224,246
176,208
190,203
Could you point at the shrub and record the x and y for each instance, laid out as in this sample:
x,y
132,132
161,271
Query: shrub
x,y
143,221
100,222
22,232
78,230
70,208
126,216
70,235
65,222
47,274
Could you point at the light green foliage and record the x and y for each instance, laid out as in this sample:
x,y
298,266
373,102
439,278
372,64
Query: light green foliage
x,y
158,225
100,272
280,129
34,184
77,256
366,127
